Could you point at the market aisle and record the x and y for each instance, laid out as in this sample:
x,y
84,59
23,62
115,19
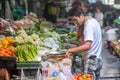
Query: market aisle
x,y
111,66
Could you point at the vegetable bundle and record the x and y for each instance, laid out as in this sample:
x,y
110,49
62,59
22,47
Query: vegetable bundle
x,y
26,52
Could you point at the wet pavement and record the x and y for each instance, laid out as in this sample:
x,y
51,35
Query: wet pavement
x,y
111,66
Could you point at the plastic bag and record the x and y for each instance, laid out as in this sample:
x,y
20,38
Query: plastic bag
x,y
67,62
53,71
61,76
67,72
66,68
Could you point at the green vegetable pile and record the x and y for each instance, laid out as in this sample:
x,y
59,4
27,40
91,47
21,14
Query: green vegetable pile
x,y
26,52
61,30
72,35
117,20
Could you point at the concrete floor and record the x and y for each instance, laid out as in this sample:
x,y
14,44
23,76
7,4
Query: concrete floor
x,y
111,66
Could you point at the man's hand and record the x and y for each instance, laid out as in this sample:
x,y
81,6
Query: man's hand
x,y
67,54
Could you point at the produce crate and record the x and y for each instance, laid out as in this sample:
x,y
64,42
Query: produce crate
x,y
28,64
29,70
8,58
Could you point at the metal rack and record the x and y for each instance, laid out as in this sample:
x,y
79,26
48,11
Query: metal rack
x,y
33,67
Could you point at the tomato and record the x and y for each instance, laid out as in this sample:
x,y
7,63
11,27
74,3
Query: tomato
x,y
80,78
75,76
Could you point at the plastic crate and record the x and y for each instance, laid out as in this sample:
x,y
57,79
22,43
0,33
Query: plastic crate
x,y
29,70
28,64
8,58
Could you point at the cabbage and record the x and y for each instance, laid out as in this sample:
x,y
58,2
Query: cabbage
x,y
46,26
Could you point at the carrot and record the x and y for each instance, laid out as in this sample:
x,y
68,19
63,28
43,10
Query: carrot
x,y
11,48
7,55
2,54
7,51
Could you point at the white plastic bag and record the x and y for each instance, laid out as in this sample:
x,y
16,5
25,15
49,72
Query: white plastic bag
x,y
61,76
67,72
53,70
66,68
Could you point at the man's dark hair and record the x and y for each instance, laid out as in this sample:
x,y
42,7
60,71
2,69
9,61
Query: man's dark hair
x,y
76,11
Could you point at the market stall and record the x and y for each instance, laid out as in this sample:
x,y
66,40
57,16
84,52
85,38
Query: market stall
x,y
39,49
115,43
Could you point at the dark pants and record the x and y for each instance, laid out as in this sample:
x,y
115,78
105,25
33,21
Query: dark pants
x,y
93,66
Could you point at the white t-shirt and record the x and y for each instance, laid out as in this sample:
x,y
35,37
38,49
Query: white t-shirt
x,y
92,32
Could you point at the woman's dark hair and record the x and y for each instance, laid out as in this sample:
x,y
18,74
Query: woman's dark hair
x,y
76,11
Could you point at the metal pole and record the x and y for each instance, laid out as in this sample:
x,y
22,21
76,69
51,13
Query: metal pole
x,y
26,7
3,6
